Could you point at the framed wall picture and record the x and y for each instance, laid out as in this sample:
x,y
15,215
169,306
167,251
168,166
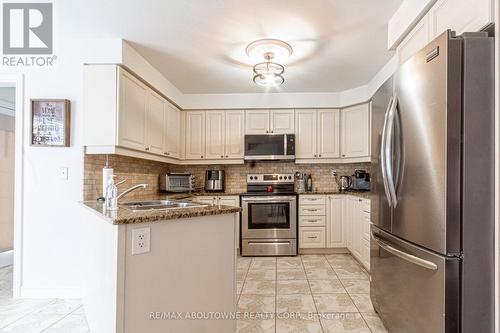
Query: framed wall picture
x,y
50,122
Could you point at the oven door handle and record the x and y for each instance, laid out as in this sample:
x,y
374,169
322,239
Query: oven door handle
x,y
269,199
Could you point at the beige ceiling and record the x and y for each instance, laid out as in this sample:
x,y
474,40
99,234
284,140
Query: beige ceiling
x,y
199,44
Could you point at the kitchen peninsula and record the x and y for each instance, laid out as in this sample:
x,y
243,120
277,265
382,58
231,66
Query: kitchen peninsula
x,y
184,263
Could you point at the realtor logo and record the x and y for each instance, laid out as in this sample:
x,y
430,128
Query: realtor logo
x,y
27,28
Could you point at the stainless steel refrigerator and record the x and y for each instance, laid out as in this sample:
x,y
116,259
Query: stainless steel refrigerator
x,y
432,231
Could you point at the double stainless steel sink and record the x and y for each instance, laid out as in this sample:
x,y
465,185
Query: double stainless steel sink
x,y
140,206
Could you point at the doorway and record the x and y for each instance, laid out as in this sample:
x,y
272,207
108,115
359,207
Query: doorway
x,y
7,179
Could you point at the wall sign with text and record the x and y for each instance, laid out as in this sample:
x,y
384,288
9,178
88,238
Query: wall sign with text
x,y
50,122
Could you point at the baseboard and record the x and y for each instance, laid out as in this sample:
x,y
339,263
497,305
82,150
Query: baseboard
x,y
6,258
50,292
324,251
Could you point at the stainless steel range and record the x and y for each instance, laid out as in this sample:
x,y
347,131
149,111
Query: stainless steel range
x,y
269,217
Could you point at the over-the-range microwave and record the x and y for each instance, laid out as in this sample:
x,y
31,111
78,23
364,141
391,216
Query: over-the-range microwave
x,y
269,147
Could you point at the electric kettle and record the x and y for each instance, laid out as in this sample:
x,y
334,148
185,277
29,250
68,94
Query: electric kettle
x,y
345,183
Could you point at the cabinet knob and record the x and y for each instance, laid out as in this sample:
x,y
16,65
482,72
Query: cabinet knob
x,y
319,155
272,131
221,156
315,155
343,155
165,153
227,156
201,156
147,148
267,131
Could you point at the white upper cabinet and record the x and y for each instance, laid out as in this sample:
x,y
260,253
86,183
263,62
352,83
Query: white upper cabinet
x,y
269,121
416,39
257,121
460,15
214,134
221,138
355,131
305,133
173,117
234,140
155,121
282,121
133,104
335,236
317,133
328,133
195,135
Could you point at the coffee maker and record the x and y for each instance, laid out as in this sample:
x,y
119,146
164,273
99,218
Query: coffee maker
x,y
214,180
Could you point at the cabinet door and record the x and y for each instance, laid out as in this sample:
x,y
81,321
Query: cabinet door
x,y
416,39
132,112
460,15
357,229
233,201
334,225
214,134
256,122
155,122
282,121
356,131
172,131
195,135
305,135
347,215
234,145
328,133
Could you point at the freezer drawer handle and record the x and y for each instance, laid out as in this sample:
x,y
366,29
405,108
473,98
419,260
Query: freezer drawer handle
x,y
405,256
269,243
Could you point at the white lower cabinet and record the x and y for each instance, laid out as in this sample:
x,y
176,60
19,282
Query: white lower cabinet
x,y
358,219
335,236
336,221
312,237
226,200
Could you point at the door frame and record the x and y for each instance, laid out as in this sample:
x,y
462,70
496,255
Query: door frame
x,y
17,80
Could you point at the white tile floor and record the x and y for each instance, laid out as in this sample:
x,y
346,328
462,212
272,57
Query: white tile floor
x,y
37,315
304,294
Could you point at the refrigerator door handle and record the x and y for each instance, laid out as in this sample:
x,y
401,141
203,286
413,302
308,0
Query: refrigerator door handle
x,y
405,256
383,162
389,152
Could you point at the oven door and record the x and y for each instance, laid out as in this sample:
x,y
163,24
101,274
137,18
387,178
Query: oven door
x,y
269,217
268,147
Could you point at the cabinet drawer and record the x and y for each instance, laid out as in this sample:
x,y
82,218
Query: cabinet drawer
x,y
312,199
312,221
312,237
312,210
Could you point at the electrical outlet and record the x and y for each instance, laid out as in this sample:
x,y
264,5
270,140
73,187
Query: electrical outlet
x,y
141,240
333,173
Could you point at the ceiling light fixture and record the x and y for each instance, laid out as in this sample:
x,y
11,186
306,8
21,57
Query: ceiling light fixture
x,y
268,73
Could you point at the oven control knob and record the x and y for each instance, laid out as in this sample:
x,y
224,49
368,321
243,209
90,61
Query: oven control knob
x,y
281,178
289,177
251,177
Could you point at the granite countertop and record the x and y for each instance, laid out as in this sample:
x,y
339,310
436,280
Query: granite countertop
x,y
361,194
127,216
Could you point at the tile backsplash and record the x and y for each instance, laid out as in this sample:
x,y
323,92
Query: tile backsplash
x,y
143,171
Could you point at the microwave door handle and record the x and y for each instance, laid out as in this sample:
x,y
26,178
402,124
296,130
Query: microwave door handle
x,y
383,162
405,256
